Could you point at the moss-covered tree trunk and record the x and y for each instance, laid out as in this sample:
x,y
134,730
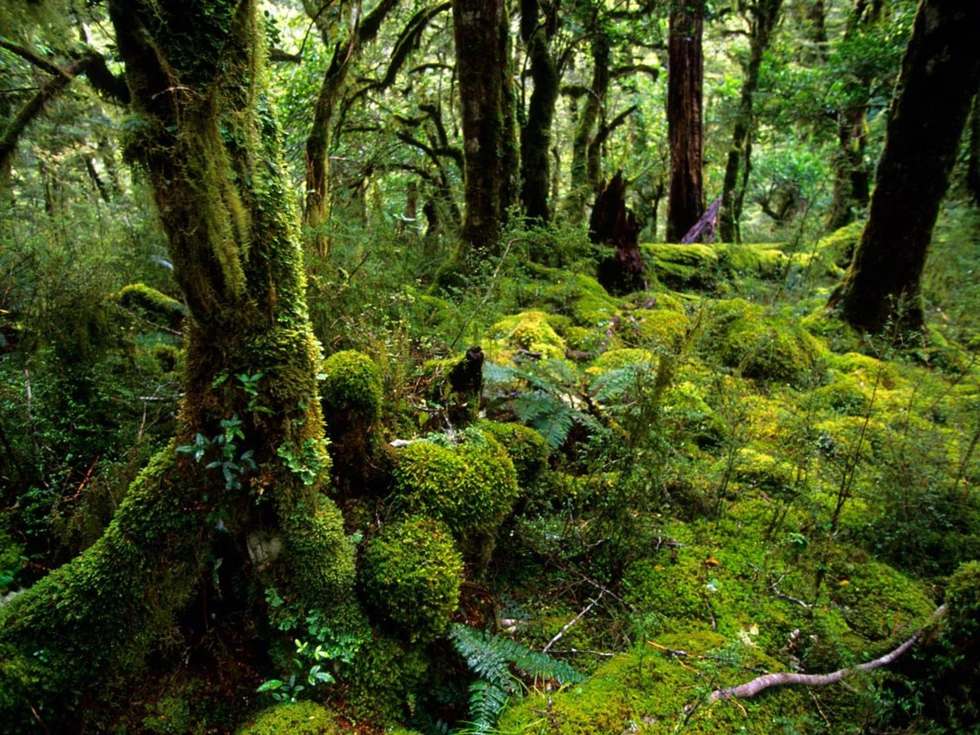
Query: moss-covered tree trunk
x,y
246,487
973,159
490,151
317,205
685,202
938,79
764,15
536,33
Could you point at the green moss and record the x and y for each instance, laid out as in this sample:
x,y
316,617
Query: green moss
x,y
531,331
845,396
351,387
527,449
470,486
663,328
621,358
680,267
388,679
835,250
299,718
761,261
760,345
151,304
320,559
410,573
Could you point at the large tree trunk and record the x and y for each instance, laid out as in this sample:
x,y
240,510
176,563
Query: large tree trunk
x,y
317,207
939,76
246,486
489,132
684,117
973,159
765,15
536,133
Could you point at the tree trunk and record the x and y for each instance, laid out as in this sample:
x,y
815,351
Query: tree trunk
x,y
536,134
939,76
765,15
242,480
317,208
684,117
489,132
584,182
973,161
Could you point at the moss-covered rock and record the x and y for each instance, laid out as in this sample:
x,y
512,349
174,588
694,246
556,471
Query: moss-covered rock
x,y
526,448
388,679
529,331
298,718
662,328
351,388
470,486
410,574
680,267
762,346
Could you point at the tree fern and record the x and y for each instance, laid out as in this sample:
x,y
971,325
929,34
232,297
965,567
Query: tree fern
x,y
491,657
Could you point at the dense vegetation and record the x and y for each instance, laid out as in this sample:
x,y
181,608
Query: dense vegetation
x,y
354,376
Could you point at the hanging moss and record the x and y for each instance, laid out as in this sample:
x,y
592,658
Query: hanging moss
x,y
410,574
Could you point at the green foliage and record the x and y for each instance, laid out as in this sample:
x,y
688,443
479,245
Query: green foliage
x,y
471,486
301,718
410,573
491,657
527,449
351,387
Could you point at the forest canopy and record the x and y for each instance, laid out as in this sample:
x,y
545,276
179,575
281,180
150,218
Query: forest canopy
x,y
472,366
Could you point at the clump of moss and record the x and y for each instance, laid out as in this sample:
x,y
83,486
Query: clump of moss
x,y
680,267
151,304
351,388
388,678
617,359
298,718
527,449
665,328
762,261
762,346
410,574
530,331
470,486
836,249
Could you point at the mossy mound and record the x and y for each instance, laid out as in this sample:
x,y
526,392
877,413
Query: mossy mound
x,y
298,718
835,250
617,359
760,261
529,331
575,295
410,574
351,388
661,329
470,486
762,346
526,448
681,267
150,304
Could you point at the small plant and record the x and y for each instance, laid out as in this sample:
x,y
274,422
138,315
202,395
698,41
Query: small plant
x,y
309,666
225,445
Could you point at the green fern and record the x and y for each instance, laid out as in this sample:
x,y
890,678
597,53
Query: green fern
x,y
491,657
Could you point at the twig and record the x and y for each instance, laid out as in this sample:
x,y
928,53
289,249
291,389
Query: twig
x,y
572,622
759,684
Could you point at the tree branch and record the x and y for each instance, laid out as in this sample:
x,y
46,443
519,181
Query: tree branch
x,y
759,684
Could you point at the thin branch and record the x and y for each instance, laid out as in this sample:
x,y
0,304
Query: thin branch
x,y
759,684
572,622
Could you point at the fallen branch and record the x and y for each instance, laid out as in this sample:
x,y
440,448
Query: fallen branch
x,y
572,622
751,688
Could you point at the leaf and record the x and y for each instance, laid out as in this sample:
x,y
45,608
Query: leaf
x,y
270,686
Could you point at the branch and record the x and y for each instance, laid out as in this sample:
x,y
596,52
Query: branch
x,y
33,58
759,684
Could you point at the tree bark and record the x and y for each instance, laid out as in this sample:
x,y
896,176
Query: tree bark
x,y
973,160
684,117
489,128
765,15
245,486
536,34
939,76
317,207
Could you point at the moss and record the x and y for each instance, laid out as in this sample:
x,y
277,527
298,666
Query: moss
x,y
761,261
320,559
299,718
388,679
845,396
663,328
762,346
410,573
531,331
575,295
470,486
763,472
151,304
680,267
351,387
527,449
835,250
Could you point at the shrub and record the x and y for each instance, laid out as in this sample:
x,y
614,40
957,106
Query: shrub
x,y
410,574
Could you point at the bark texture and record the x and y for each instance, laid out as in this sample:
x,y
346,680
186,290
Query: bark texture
x,y
209,144
938,79
489,127
684,117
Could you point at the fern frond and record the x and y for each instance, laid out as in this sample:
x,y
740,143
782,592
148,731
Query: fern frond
x,y
487,699
483,656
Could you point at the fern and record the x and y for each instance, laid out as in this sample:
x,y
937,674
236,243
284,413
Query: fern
x,y
490,657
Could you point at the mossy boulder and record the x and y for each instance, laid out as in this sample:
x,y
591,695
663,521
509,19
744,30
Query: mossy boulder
x,y
471,486
759,261
410,575
762,346
662,329
527,449
529,331
351,388
298,718
680,267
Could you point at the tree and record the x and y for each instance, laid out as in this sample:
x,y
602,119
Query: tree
x,y
938,80
489,129
684,117
764,14
242,479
